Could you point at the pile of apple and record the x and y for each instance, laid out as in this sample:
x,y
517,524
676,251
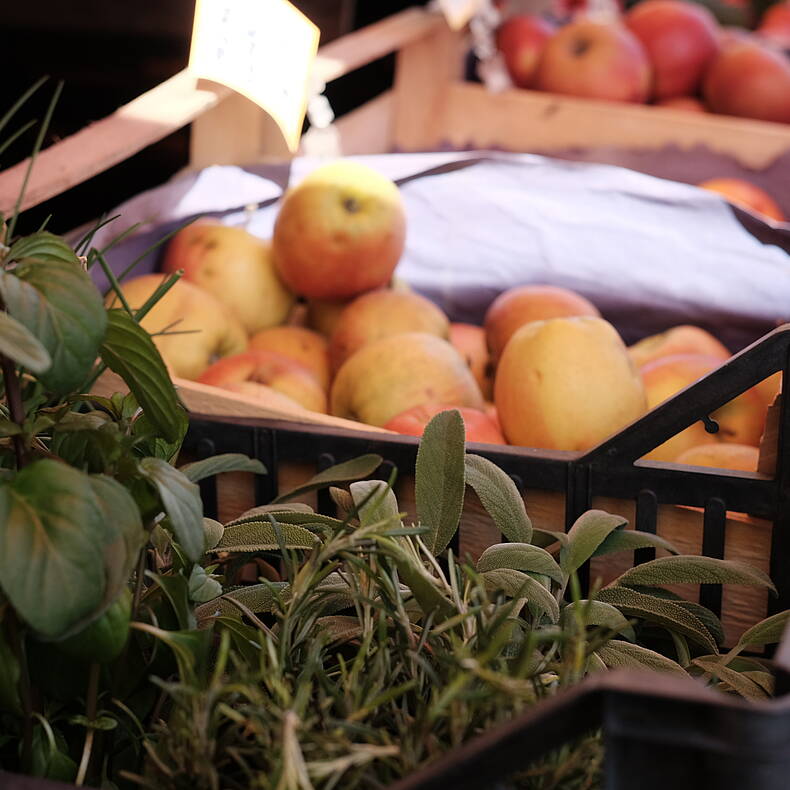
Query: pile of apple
x,y
670,52
314,319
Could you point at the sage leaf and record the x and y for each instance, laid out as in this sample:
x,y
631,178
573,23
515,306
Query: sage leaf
x,y
212,531
354,469
290,514
630,540
735,680
601,614
766,632
618,654
694,570
661,611
52,535
202,587
439,478
17,342
376,503
217,464
516,584
258,598
59,304
586,535
180,500
129,351
520,557
338,628
264,536
500,497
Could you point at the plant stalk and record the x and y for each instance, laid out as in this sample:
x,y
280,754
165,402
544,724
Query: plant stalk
x,y
90,713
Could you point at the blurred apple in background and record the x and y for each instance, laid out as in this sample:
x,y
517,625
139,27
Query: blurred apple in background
x,y
524,303
236,267
688,103
340,232
203,328
302,345
775,24
322,314
745,194
683,339
741,457
244,372
521,39
749,80
595,60
681,39
478,425
382,313
470,342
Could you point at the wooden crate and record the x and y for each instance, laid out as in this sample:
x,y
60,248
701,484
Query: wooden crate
x,y
428,106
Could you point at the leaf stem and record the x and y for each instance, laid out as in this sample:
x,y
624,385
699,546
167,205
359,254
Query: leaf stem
x,y
90,712
16,407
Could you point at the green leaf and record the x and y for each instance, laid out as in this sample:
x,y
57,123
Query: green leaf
x,y
500,497
735,680
213,531
105,723
601,614
218,464
338,628
255,513
43,246
94,451
59,304
191,649
439,478
294,516
176,589
181,501
354,469
586,535
265,536
694,570
630,540
49,757
765,680
658,610
376,503
18,343
9,678
129,351
766,632
617,654
520,557
9,428
518,585
52,536
547,537
258,598
202,587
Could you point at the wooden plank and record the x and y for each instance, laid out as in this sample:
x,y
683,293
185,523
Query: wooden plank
x,y
520,120
424,73
96,148
368,129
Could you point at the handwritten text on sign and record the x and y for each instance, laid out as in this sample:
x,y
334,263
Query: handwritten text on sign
x,y
263,49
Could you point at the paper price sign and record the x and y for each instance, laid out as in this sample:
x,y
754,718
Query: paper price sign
x,y
459,12
262,49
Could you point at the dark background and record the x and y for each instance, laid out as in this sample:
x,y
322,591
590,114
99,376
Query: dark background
x,y
107,53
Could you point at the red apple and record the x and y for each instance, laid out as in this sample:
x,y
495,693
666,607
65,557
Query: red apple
x,y
681,39
751,81
596,60
480,427
521,39
688,103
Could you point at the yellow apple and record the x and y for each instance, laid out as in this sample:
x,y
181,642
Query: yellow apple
x,y
302,345
340,232
398,372
566,384
206,328
236,267
382,313
470,341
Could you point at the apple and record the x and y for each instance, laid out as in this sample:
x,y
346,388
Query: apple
x,y
566,384
470,342
322,314
478,425
398,372
521,39
524,303
683,339
746,195
680,38
340,232
252,368
382,313
689,103
204,328
741,457
740,421
775,24
596,60
236,267
749,80
302,345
